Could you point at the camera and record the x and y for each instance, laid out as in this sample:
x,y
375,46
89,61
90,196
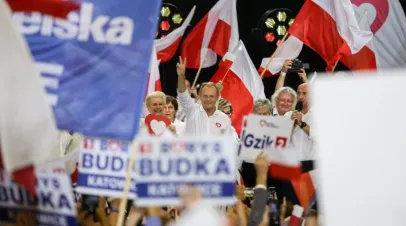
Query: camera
x,y
297,65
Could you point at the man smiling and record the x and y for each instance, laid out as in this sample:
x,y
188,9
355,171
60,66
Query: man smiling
x,y
202,118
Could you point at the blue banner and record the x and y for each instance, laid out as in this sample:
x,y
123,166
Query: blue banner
x,y
95,63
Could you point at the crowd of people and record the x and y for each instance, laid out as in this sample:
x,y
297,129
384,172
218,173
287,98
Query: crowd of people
x,y
262,200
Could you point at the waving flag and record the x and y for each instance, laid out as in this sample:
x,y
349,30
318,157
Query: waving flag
x,y
27,129
241,82
365,59
217,33
330,28
305,187
166,47
384,19
290,49
94,63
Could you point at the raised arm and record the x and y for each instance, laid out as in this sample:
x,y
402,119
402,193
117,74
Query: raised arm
x,y
184,98
281,80
181,70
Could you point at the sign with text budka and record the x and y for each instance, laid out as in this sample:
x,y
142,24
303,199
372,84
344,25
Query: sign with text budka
x,y
53,205
163,165
103,165
264,134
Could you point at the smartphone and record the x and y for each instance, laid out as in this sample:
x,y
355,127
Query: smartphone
x,y
272,192
274,212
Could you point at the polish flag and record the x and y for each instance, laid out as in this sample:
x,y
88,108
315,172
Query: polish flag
x,y
216,33
290,49
27,128
296,217
330,28
154,81
241,85
166,47
365,59
384,19
305,187
284,163
56,8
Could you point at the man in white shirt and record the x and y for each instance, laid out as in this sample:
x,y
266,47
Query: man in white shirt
x,y
302,137
202,118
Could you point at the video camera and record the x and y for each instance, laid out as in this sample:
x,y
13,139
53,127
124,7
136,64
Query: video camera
x,y
297,65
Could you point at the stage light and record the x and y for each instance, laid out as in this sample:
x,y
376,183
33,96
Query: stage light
x,y
273,26
171,17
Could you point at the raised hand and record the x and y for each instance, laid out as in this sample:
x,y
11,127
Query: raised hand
x,y
302,75
181,68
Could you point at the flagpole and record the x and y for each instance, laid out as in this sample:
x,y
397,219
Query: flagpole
x,y
200,68
273,55
228,69
123,203
335,65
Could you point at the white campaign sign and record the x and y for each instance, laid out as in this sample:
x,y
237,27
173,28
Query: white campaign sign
x,y
102,167
360,127
54,203
164,164
264,133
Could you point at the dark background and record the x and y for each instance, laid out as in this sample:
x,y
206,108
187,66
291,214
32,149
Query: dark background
x,y
249,13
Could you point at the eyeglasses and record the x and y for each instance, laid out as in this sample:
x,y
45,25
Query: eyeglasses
x,y
227,113
285,101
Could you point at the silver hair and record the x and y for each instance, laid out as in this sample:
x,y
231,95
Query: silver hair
x,y
284,90
262,103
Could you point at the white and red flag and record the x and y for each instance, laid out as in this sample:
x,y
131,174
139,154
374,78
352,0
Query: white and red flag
x,y
284,163
305,187
290,49
166,47
330,28
154,81
242,84
386,19
216,33
27,128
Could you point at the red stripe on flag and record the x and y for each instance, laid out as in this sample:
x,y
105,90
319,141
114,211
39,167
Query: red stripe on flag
x,y
284,172
158,86
166,54
220,40
56,8
226,63
363,60
266,74
318,30
26,178
239,96
192,45
304,188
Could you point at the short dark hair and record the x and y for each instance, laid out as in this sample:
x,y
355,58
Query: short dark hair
x,y
173,101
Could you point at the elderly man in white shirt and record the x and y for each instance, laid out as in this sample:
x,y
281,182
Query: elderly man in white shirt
x,y
202,118
302,138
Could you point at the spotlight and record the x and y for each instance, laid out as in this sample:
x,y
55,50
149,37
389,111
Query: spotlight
x,y
171,17
273,25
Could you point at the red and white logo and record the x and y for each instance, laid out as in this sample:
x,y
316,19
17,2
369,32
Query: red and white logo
x,y
218,124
